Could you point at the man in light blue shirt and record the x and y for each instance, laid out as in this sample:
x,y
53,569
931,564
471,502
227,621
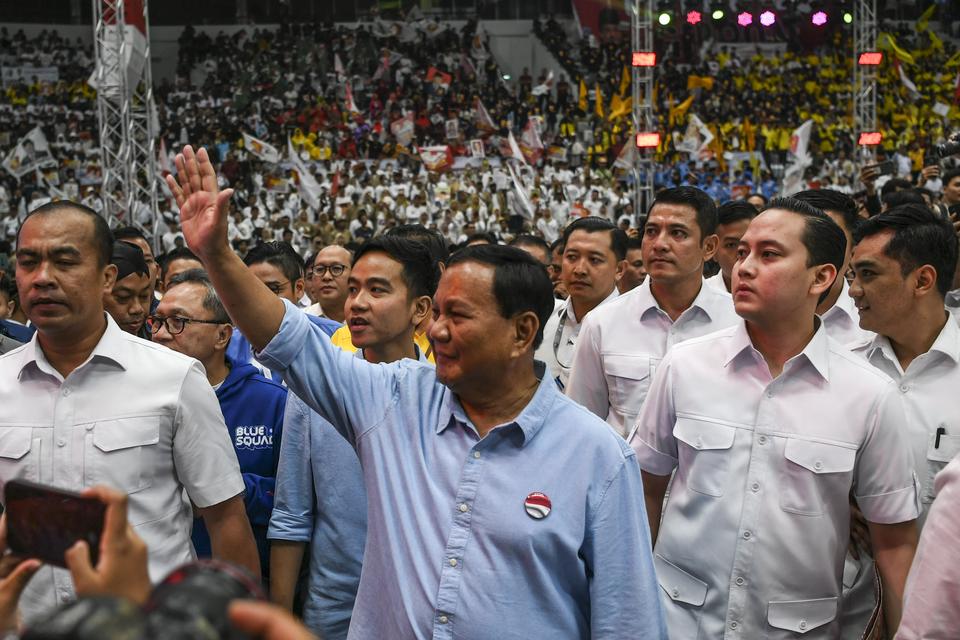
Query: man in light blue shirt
x,y
497,508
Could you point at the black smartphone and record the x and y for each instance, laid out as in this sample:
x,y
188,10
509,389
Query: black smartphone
x,y
885,168
43,521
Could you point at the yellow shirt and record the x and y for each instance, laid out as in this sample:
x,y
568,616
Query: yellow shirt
x,y
341,338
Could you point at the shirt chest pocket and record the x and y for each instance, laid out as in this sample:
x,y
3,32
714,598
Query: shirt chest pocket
x,y
813,473
628,380
940,451
20,453
119,453
704,451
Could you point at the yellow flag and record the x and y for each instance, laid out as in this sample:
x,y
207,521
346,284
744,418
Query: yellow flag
x,y
887,42
624,82
680,111
598,105
582,101
924,20
620,107
749,135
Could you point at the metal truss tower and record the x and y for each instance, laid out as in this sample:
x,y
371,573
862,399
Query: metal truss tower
x,y
126,110
642,14
864,76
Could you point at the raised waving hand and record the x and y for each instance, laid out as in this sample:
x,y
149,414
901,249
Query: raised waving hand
x,y
203,207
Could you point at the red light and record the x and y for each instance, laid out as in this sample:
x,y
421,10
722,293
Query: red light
x,y
870,138
648,140
693,17
870,58
644,59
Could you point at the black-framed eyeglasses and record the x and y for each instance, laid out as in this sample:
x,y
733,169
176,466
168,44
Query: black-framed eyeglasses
x,y
336,270
277,287
175,324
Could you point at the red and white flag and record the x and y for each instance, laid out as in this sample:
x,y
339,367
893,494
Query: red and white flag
x,y
338,66
308,187
514,148
403,129
436,158
261,149
438,77
348,102
483,120
530,143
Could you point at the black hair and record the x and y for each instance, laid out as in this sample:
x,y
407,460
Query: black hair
x,y
481,236
129,233
895,184
696,199
311,259
557,247
596,224
128,259
823,238
420,272
832,200
902,197
102,237
635,242
179,253
735,211
535,242
8,286
758,195
950,175
919,237
211,300
520,282
430,237
282,255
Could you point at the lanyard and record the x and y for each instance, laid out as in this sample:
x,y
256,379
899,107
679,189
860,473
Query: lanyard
x,y
556,339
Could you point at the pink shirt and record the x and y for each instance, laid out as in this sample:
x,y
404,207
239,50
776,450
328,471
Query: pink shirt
x,y
931,610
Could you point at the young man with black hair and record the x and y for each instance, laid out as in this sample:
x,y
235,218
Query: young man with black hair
x,y
391,283
484,449
593,253
770,425
622,343
732,220
135,236
174,262
535,246
129,300
633,273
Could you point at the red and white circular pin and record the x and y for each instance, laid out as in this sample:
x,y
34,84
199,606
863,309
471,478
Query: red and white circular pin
x,y
537,505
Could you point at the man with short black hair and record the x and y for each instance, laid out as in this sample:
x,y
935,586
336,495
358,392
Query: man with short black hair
x,y
278,266
770,425
622,342
506,471
732,220
593,253
135,236
633,273
951,188
176,261
159,438
129,300
535,246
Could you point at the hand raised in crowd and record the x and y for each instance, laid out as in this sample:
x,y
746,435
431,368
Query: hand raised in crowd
x,y
122,568
15,573
266,621
203,207
868,176
928,173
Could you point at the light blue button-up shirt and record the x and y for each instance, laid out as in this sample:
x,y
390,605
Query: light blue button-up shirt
x,y
451,551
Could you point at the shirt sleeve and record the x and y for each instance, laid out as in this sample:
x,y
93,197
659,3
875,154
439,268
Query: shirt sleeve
x,y
349,392
652,437
930,610
587,384
886,486
203,455
624,594
293,503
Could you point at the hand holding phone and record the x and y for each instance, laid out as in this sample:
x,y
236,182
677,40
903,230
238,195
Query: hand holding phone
x,y
15,573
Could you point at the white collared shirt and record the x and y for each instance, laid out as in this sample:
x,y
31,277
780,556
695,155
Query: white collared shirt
x,y
136,416
755,530
928,390
621,344
560,338
842,320
716,282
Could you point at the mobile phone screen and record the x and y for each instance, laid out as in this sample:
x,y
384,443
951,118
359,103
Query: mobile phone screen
x,y
43,522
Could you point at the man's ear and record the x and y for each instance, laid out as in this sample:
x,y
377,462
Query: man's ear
x,y
298,288
525,327
710,245
823,279
109,277
422,308
224,333
926,279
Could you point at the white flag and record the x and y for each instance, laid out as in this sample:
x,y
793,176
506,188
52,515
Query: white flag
x,y
515,148
908,83
525,207
308,187
261,149
541,89
31,152
800,143
338,66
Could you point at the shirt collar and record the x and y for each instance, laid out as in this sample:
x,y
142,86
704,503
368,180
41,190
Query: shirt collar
x,y
110,348
947,343
816,352
705,300
530,420
844,306
568,308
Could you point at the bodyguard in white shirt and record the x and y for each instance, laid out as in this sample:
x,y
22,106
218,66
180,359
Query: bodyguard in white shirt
x,y
837,310
86,403
732,221
621,343
593,255
770,426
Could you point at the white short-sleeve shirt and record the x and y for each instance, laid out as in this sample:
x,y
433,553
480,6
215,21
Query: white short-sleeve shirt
x,y
136,416
560,335
621,344
928,390
755,530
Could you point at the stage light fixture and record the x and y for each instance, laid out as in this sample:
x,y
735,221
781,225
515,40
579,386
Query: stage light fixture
x,y
694,17
664,19
648,140
717,14
870,138
870,58
745,19
819,18
847,17
767,18
644,59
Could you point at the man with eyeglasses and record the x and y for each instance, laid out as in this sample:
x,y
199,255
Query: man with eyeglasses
x,y
328,277
86,403
191,320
